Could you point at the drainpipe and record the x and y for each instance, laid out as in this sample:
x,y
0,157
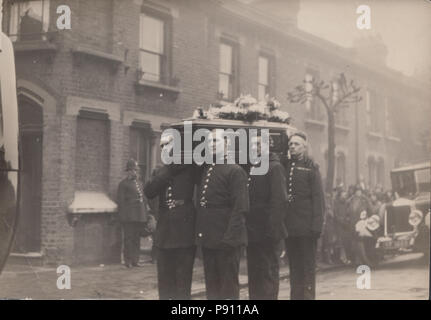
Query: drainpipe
x,y
356,142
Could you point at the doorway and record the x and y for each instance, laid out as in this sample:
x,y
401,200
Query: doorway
x,y
28,236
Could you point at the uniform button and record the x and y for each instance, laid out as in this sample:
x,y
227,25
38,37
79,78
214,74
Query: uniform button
x,y
203,192
203,198
169,188
207,180
290,190
209,174
205,186
200,235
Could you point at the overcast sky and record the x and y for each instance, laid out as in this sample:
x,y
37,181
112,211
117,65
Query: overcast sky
x,y
405,27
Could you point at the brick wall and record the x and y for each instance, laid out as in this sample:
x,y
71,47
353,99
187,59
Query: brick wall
x,y
89,155
92,155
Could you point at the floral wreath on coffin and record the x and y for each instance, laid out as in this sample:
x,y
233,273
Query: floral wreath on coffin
x,y
246,108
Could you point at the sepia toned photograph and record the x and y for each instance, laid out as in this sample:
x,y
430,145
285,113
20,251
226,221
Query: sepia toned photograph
x,y
215,150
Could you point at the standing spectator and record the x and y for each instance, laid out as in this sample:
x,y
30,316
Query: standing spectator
x,y
375,204
265,227
328,235
342,226
132,213
304,219
221,229
358,206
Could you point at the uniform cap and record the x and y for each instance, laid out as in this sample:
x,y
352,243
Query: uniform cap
x,y
131,165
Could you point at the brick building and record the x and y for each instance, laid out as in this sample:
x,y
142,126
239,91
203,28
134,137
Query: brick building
x,y
99,93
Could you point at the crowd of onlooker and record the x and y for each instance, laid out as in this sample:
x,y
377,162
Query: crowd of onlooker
x,y
343,210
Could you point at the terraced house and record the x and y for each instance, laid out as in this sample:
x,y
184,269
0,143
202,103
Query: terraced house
x,y
94,95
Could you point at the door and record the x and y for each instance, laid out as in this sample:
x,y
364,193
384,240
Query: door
x,y
29,227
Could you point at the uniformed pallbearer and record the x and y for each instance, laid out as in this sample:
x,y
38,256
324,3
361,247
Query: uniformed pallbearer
x,y
132,213
304,218
220,229
175,233
265,227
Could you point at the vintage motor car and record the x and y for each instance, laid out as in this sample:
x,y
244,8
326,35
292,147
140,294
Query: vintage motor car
x,y
406,220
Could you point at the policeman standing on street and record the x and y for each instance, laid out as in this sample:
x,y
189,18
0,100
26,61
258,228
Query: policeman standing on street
x,y
132,213
221,230
175,233
304,219
265,226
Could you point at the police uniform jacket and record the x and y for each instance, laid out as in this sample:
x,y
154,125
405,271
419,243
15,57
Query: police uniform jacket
x,y
268,201
223,205
306,202
174,186
132,206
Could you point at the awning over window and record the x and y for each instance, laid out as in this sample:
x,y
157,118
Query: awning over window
x,y
91,202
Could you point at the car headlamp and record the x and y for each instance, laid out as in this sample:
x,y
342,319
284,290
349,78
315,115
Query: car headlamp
x,y
427,220
415,217
373,222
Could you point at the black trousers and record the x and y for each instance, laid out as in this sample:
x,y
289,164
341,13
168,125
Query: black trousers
x,y
263,270
221,267
302,267
174,272
132,242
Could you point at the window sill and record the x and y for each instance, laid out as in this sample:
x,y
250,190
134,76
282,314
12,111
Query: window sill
x,y
160,88
394,139
316,123
86,202
85,51
342,128
375,135
34,45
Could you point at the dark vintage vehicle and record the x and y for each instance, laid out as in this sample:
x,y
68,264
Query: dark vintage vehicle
x,y
406,220
9,152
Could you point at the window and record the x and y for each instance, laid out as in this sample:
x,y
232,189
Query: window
x,y
372,172
381,172
1,120
92,152
29,20
389,118
341,169
314,107
140,142
374,107
341,115
263,82
152,43
227,78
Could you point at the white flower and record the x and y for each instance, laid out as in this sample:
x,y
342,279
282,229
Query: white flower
x,y
228,109
196,114
212,113
257,108
245,101
280,114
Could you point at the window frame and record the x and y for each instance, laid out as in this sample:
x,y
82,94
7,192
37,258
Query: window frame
x,y
46,12
140,130
165,76
271,73
234,76
315,110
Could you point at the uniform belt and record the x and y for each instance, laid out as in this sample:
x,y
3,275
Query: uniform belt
x,y
176,203
214,206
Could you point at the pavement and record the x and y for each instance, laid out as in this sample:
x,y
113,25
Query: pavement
x,y
104,281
